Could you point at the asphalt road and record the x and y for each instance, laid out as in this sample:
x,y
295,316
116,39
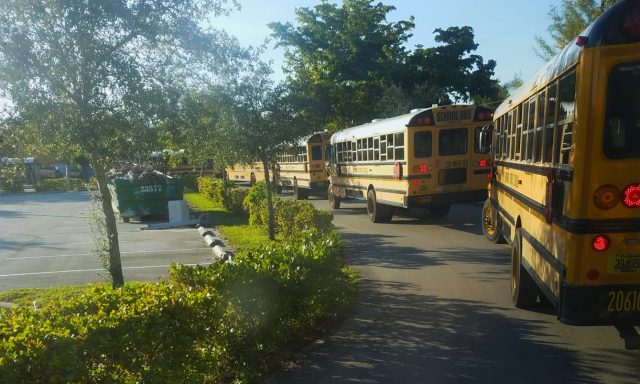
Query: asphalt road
x,y
45,240
434,307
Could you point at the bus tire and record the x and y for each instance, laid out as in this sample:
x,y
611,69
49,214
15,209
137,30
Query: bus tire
x,y
378,213
252,179
439,210
334,201
278,188
491,228
524,291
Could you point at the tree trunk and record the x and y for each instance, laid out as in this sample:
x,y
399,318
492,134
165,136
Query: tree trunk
x,y
272,232
115,265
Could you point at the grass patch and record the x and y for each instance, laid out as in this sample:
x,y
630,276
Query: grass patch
x,y
233,227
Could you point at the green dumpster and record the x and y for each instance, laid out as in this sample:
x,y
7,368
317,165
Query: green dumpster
x,y
141,198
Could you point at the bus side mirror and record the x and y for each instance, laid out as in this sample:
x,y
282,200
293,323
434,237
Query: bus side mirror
x,y
486,136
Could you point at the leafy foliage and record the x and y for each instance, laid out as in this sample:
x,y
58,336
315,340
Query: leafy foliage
x,y
60,184
567,23
99,77
225,323
223,192
11,177
291,217
341,59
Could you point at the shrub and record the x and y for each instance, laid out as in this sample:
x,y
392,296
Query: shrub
x,y
60,184
11,179
223,323
189,181
222,191
253,203
291,217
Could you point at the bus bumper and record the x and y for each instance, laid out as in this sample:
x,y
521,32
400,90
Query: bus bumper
x,y
601,305
426,201
320,186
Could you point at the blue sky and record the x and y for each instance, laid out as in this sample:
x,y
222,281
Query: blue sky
x,y
505,30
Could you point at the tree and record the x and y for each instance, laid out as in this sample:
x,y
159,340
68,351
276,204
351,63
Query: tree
x,y
98,76
354,65
449,72
261,121
339,56
567,23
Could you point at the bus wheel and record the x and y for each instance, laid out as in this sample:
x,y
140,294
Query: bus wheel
x,y
524,291
378,213
278,188
490,224
334,201
252,179
439,210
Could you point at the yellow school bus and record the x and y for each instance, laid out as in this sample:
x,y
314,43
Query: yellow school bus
x,y
302,167
426,159
566,178
246,173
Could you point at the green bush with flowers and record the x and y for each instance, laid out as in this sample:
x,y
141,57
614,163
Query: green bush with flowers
x,y
223,323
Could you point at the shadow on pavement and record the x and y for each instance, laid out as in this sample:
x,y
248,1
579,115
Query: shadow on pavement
x,y
398,337
378,251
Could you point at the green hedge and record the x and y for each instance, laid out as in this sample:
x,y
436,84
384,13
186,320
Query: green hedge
x,y
60,184
223,323
223,192
291,217
11,177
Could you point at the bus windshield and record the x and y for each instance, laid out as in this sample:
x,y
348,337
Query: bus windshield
x,y
622,126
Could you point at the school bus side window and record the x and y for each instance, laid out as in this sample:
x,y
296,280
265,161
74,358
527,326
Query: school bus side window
x,y
538,137
564,125
549,121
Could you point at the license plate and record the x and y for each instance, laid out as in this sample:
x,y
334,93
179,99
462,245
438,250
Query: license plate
x,y
622,264
624,301
424,199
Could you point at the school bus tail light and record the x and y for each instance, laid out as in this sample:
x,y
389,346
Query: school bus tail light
x,y
593,274
420,168
600,243
631,196
606,197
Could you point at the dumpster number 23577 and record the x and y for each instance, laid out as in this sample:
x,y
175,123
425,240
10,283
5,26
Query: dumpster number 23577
x,y
150,188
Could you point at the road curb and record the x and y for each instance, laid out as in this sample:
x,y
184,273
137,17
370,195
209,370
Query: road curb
x,y
217,245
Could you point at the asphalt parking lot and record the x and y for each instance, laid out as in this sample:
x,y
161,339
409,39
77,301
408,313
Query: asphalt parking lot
x,y
45,240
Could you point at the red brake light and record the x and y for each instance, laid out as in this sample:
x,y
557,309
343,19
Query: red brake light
x,y
631,196
483,163
415,183
600,243
582,41
423,168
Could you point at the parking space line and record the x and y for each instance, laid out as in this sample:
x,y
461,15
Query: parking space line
x,y
88,254
92,270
